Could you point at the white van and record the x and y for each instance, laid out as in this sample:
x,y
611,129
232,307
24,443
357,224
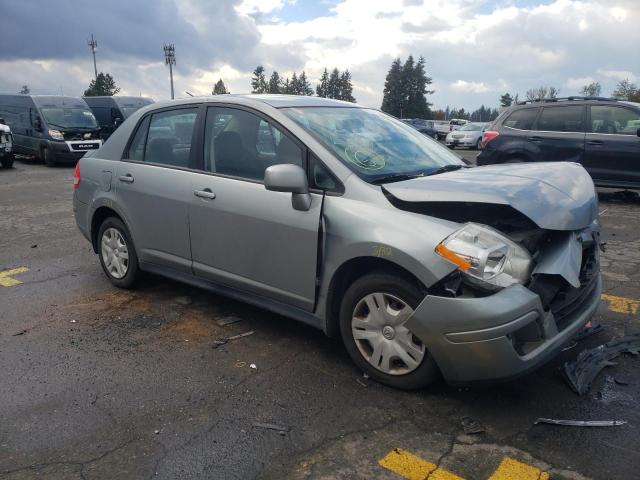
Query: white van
x,y
6,145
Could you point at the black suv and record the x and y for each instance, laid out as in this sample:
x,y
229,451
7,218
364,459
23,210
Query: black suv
x,y
601,134
423,126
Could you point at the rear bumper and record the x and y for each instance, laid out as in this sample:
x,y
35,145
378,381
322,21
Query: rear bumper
x,y
475,339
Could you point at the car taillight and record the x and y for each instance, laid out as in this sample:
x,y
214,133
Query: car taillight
x,y
76,176
487,137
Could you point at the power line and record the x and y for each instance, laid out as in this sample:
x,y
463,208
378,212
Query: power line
x,y
93,44
170,59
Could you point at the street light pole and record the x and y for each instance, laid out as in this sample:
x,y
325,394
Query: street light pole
x,y
93,44
170,59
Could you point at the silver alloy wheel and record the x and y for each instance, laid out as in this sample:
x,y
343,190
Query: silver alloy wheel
x,y
377,325
115,254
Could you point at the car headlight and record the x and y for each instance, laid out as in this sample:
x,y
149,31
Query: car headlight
x,y
56,134
486,257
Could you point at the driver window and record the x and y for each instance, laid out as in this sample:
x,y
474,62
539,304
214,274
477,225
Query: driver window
x,y
241,144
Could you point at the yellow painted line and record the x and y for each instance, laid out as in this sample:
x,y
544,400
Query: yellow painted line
x,y
412,467
510,469
5,277
621,304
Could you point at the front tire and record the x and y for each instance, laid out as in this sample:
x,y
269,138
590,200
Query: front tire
x,y
117,253
7,161
46,157
373,312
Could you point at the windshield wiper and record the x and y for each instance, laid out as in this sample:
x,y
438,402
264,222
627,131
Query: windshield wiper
x,y
396,177
446,168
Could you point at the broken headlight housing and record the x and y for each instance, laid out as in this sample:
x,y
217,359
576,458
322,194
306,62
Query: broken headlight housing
x,y
486,258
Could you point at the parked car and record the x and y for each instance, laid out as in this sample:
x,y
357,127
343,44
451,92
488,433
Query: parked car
x,y
468,135
445,127
601,134
111,111
353,222
426,127
6,145
55,129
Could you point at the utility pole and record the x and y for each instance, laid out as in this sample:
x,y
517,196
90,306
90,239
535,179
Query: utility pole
x,y
170,59
93,44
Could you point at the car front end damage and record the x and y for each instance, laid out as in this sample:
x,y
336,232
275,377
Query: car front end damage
x,y
526,281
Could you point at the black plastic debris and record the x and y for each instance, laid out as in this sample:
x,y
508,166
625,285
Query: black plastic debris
x,y
588,331
281,429
471,426
580,373
223,341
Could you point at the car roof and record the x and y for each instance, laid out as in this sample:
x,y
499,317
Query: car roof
x,y
273,100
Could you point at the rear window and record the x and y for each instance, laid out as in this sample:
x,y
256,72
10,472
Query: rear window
x,y
522,119
562,119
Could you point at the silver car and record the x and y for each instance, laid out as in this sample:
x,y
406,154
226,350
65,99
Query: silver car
x,y
468,135
347,219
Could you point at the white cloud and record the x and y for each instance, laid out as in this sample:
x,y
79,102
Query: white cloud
x,y
578,83
618,74
473,87
249,7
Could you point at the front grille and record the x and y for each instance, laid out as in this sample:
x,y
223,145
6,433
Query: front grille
x,y
80,135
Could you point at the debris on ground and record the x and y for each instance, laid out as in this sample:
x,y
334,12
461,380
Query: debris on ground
x,y
471,426
580,373
34,246
365,376
570,346
157,432
228,320
21,332
588,330
281,429
581,423
183,300
222,341
253,365
360,382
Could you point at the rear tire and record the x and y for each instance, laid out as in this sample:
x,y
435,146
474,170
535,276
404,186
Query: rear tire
x,y
478,144
117,253
394,344
515,160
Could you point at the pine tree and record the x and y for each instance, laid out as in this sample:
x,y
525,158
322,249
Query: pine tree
x,y
346,87
104,85
294,86
219,88
304,85
322,89
415,82
258,81
392,101
275,84
286,86
506,100
25,90
333,85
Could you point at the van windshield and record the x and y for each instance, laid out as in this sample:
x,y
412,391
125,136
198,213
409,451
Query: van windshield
x,y
373,145
69,117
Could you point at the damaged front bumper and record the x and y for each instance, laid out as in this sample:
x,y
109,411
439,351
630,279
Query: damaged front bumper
x,y
500,336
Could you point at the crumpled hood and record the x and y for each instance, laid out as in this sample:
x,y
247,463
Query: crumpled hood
x,y
555,196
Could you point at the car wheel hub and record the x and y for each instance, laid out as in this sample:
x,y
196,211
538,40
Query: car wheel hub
x,y
379,331
115,254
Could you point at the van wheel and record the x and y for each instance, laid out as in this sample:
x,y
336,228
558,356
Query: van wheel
x,y
45,156
373,314
515,160
117,254
7,162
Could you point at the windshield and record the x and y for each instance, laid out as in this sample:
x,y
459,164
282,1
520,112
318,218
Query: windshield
x,y
127,111
372,144
471,126
69,117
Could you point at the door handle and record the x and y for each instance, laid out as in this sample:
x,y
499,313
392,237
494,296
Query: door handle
x,y
207,194
128,178
535,139
595,142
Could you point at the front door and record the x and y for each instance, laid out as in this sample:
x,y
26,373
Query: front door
x,y
243,235
612,146
154,186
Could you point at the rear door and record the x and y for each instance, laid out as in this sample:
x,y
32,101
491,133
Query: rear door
x,y
559,133
153,184
612,147
243,235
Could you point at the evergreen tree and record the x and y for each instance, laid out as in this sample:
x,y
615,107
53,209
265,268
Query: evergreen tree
x,y
104,85
346,87
275,84
506,100
286,86
304,86
322,89
392,100
25,90
258,81
219,88
333,85
294,86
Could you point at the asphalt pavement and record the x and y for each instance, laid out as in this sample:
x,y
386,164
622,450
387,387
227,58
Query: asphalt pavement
x,y
101,383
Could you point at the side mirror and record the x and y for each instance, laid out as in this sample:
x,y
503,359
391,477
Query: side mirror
x,y
117,121
291,178
37,124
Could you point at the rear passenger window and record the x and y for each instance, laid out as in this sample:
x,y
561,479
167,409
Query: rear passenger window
x,y
136,147
614,120
561,119
170,137
522,119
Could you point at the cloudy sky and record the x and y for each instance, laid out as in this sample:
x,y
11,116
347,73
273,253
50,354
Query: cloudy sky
x,y
475,49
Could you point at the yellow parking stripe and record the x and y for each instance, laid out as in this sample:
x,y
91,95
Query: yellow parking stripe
x,y
5,277
621,304
411,467
511,469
